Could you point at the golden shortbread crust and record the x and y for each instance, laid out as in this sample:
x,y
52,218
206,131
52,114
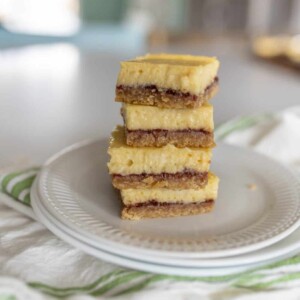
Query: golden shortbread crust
x,y
141,212
162,98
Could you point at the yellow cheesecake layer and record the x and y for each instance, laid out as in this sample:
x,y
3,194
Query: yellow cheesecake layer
x,y
152,117
184,73
126,160
209,192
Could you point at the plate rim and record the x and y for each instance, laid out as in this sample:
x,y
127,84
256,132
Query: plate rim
x,y
205,263
139,264
211,254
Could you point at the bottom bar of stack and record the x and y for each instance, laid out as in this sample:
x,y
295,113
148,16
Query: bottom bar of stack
x,y
161,181
157,203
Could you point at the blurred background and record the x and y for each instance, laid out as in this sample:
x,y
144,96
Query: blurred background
x,y
140,24
59,60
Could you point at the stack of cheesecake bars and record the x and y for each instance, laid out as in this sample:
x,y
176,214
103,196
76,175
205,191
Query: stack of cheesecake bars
x,y
160,159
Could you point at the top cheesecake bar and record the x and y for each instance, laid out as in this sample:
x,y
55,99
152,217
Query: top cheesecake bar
x,y
168,80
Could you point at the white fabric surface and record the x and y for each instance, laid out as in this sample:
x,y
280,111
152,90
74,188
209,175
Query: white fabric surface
x,y
277,137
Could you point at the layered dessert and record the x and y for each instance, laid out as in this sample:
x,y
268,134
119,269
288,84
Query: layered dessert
x,y
160,158
150,126
158,202
152,167
168,81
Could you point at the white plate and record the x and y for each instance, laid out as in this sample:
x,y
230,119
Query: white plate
x,y
285,248
58,229
76,189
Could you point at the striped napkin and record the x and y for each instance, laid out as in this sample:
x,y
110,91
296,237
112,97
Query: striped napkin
x,y
34,264
17,184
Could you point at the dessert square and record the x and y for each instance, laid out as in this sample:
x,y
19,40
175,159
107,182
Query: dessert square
x,y
155,203
168,81
150,126
152,167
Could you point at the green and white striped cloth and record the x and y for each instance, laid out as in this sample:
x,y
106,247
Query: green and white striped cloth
x,y
17,184
34,264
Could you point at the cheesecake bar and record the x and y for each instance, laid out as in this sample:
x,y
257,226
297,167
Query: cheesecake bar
x,y
168,81
152,167
155,203
150,126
